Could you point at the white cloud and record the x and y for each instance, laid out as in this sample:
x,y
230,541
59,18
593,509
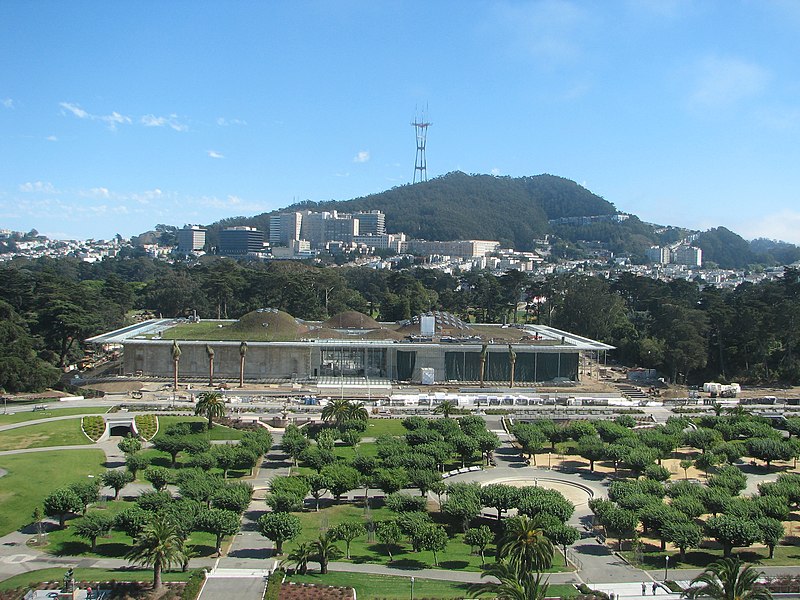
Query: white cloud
x,y
51,138
783,225
7,103
38,186
724,81
111,120
495,171
215,154
361,157
170,121
224,122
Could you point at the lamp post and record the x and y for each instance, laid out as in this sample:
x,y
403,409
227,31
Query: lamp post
x,y
666,567
412,587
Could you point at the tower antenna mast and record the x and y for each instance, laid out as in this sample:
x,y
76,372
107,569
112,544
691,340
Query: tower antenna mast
x,y
421,125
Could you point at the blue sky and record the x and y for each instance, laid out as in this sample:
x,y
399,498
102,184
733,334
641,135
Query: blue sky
x,y
117,116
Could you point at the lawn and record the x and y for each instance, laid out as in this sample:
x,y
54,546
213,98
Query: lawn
x,y
63,542
395,587
785,555
31,477
21,417
457,555
32,578
43,435
376,427
217,432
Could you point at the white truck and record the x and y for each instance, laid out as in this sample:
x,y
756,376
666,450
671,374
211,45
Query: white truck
x,y
721,390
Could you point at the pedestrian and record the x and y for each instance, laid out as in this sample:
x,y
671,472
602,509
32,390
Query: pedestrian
x,y
644,589
655,587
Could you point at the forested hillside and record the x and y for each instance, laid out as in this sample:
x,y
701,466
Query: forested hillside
x,y
752,333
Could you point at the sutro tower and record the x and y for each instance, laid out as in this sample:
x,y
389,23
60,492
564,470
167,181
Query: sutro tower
x,y
421,164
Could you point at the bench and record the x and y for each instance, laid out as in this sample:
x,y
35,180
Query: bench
x,y
39,407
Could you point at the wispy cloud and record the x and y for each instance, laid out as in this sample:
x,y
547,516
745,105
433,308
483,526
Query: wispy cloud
x,y
724,81
495,171
51,138
225,122
361,157
38,186
548,31
170,121
7,103
215,154
111,120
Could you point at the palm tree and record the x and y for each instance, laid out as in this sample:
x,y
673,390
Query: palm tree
x,y
336,411
725,579
158,546
300,557
210,405
512,358
445,408
325,550
242,352
525,545
513,583
210,354
176,357
484,351
357,412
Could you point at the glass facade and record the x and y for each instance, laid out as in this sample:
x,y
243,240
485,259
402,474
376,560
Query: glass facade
x,y
353,361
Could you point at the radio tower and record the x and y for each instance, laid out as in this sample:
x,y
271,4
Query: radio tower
x,y
421,164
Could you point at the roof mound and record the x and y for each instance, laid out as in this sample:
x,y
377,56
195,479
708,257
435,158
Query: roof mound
x,y
351,319
269,324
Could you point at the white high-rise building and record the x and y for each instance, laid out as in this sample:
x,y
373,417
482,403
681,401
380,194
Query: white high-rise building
x,y
191,238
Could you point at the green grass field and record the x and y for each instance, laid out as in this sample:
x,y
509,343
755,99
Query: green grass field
x,y
785,555
21,417
217,432
376,427
31,477
391,587
32,578
43,435
63,542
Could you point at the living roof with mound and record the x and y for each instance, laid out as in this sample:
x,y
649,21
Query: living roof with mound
x,y
273,325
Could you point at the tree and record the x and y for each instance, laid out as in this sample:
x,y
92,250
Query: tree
x,y
592,448
300,557
220,523
158,477
445,408
728,579
172,445
479,537
732,532
684,534
563,535
772,532
389,534
620,524
279,527
234,497
60,503
210,405
403,503
488,442
512,583
87,491
318,485
135,463
116,480
242,354
132,520
341,479
336,411
130,445
347,531
769,449
705,461
423,479
499,496
159,545
325,550
92,526
294,442
434,539
525,545
176,357
462,507
685,464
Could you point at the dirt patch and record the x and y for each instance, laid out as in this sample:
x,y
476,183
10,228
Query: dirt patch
x,y
117,387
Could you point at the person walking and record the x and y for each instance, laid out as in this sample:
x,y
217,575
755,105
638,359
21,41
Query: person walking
x,y
655,587
644,589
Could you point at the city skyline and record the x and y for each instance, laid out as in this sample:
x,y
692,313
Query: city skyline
x,y
683,113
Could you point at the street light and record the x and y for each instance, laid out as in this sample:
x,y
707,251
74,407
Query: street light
x,y
666,567
412,587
